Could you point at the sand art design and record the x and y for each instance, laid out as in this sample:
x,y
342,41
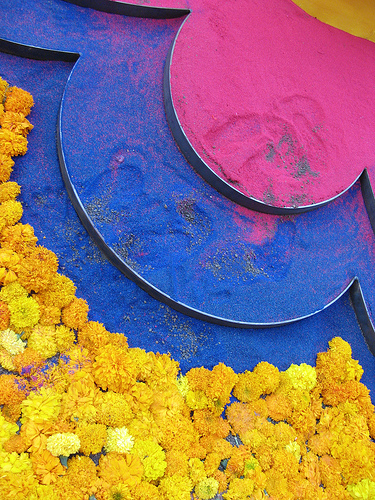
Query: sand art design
x,y
153,216
271,106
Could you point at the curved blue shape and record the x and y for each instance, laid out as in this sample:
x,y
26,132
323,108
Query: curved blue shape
x,y
156,218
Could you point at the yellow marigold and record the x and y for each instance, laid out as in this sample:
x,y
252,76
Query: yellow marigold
x,y
7,430
143,361
115,468
8,266
177,463
207,488
36,269
198,379
92,437
363,490
64,444
221,384
197,471
15,443
197,400
119,440
241,417
178,434
75,314
46,467
18,101
6,360
4,315
152,457
64,337
24,312
248,388
3,87
175,487
10,212
304,422
340,347
142,396
13,462
12,291
120,491
81,474
182,385
212,462
16,122
268,375
113,369
145,491
10,341
239,489
164,371
302,376
78,403
42,340
6,167
17,486
75,359
9,191
11,143
20,238
28,361
60,291
49,315
93,336
113,410
42,406
206,422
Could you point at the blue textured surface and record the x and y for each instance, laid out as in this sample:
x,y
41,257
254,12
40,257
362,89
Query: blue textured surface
x,y
201,248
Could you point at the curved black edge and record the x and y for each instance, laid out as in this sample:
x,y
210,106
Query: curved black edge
x,y
37,53
206,172
128,9
363,316
368,197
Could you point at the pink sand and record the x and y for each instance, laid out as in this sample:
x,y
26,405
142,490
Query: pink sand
x,y
278,104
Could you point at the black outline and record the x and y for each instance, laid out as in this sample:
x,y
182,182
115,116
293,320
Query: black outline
x,y
358,301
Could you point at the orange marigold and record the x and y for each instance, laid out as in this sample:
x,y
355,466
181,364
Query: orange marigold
x,y
113,369
92,437
115,468
18,101
75,314
60,292
268,375
16,122
20,238
4,316
37,269
12,144
93,336
28,361
6,167
10,212
9,191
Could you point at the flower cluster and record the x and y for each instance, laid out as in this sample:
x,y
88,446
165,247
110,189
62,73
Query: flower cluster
x,y
107,421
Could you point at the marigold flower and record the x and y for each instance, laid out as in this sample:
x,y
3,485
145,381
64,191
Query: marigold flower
x,y
302,376
12,291
197,400
239,488
145,491
182,384
113,410
18,101
42,406
268,375
64,338
28,362
221,384
207,423
13,462
11,143
3,87
78,403
75,314
24,312
6,167
115,468
363,490
47,467
20,238
143,361
36,269
50,315
152,457
7,430
9,191
4,315
16,122
207,488
212,462
119,440
64,444
197,471
198,379
81,474
92,437
175,487
10,341
177,463
8,266
164,371
113,369
15,443
93,336
6,360
59,293
10,212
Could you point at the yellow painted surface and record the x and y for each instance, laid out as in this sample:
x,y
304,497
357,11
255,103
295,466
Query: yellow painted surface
x,y
353,16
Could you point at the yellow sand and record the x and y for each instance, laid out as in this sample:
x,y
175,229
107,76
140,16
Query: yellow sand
x,y
353,16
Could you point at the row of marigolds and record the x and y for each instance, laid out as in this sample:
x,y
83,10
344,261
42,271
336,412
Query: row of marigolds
x,y
111,422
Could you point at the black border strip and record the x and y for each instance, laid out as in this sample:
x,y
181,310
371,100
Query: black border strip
x,y
206,172
363,316
128,9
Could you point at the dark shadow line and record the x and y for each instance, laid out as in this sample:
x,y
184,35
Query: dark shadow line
x,y
362,314
368,197
37,53
206,172
133,10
